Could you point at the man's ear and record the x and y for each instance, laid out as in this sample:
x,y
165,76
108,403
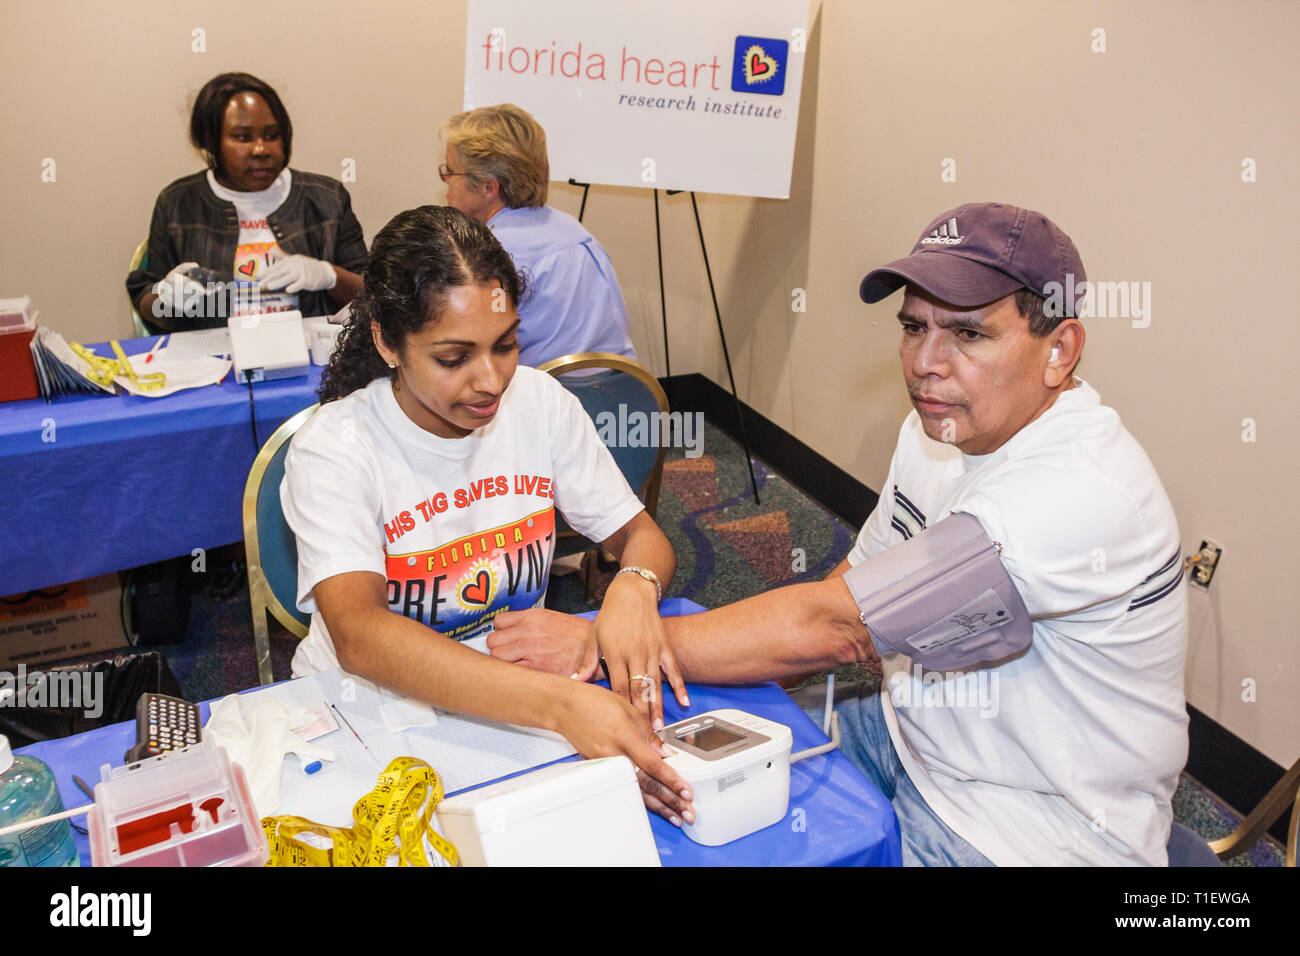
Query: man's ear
x,y
1066,349
491,189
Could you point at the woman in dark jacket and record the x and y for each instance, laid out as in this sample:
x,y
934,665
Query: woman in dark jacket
x,y
248,235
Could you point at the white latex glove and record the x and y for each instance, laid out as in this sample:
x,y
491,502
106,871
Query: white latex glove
x,y
299,274
174,289
256,735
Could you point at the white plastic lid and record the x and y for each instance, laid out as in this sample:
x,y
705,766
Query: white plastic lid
x,y
16,315
6,754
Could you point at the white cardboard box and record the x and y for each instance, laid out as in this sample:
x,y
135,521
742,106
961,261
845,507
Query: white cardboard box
x,y
584,813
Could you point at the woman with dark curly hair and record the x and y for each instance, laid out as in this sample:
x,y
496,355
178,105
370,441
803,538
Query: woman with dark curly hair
x,y
423,496
275,239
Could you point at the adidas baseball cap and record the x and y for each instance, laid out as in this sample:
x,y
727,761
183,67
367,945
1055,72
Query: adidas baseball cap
x,y
980,252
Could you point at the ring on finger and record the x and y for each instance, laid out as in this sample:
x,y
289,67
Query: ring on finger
x,y
641,677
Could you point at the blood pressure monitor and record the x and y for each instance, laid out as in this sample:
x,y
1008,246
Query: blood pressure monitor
x,y
738,768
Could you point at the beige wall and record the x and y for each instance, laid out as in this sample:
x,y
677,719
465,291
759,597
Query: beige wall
x,y
1136,152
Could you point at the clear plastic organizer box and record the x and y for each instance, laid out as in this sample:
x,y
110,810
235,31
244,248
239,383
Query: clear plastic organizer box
x,y
190,807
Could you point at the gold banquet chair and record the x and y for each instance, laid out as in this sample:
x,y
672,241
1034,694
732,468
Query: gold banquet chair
x,y
138,259
1285,793
616,381
270,547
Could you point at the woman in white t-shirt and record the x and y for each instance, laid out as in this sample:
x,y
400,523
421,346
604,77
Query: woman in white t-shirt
x,y
267,238
423,496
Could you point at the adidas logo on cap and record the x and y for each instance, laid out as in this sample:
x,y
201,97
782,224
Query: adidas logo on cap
x,y
946,234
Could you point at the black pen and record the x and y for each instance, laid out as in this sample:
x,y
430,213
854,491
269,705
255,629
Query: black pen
x,y
84,788
81,784
355,734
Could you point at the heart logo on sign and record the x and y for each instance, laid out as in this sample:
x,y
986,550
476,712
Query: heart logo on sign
x,y
476,592
759,67
248,268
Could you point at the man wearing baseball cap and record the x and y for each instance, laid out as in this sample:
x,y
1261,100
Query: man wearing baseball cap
x,y
1013,495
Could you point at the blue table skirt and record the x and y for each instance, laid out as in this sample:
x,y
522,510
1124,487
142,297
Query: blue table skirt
x,y
836,816
128,480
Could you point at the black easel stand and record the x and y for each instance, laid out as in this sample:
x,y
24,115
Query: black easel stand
x,y
586,187
663,300
717,313
722,336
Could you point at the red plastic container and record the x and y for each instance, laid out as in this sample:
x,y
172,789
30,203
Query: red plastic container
x,y
17,370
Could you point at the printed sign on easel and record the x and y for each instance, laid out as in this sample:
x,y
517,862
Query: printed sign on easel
x,y
675,95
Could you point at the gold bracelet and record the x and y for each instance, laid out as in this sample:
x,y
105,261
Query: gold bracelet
x,y
648,575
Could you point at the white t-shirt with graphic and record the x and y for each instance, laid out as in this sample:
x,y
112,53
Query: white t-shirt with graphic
x,y
1069,753
461,528
257,247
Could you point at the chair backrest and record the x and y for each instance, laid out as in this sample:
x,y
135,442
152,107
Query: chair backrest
x,y
626,402
138,260
269,544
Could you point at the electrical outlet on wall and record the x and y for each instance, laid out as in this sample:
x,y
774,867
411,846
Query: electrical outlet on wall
x,y
1204,563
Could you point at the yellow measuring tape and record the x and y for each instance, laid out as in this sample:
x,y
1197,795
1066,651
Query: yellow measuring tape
x,y
103,371
391,820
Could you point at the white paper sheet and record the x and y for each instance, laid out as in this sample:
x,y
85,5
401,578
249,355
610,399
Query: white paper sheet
x,y
199,342
465,751
182,373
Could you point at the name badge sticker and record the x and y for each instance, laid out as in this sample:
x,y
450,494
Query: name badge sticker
x,y
984,613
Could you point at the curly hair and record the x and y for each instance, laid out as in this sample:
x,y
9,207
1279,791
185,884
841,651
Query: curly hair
x,y
420,256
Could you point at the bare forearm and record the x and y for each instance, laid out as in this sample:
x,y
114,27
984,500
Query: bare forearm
x,y
412,659
162,318
346,288
781,633
641,544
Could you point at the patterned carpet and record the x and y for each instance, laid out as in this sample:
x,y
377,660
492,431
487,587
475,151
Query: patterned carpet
x,y
727,548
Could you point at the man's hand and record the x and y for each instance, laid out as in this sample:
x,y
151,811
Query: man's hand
x,y
546,641
298,273
600,724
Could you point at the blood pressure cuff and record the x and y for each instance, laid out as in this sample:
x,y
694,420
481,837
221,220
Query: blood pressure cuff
x,y
942,598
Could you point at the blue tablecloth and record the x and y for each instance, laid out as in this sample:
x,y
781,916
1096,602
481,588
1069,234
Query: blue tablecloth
x,y
836,816
127,480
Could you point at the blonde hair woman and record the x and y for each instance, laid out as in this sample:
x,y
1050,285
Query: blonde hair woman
x,y
496,171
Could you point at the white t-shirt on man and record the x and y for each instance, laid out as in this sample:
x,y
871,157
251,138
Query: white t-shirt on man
x,y
1069,753
461,528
